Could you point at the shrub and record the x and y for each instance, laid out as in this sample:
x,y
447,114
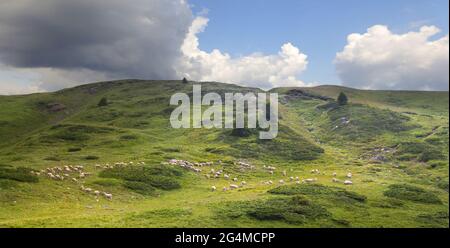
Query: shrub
x,y
103,102
421,151
74,149
160,177
185,81
20,174
140,187
411,193
342,99
91,157
128,137
314,190
294,210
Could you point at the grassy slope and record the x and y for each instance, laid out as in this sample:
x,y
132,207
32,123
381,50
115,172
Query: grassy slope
x,y
134,127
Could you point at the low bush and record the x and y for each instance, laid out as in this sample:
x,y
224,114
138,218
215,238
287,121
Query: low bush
x,y
294,210
20,174
411,193
74,149
159,177
334,193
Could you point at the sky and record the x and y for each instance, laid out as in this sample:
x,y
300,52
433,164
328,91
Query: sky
x,y
48,45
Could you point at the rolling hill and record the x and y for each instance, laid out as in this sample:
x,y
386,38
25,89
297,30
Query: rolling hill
x,y
394,143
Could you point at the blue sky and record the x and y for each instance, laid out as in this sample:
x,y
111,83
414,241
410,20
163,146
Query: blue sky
x,y
317,27
393,45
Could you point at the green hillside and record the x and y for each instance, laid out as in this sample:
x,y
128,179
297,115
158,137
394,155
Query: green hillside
x,y
395,145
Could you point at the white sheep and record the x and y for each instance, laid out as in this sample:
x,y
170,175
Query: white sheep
x,y
234,186
108,196
281,181
349,175
243,183
348,182
213,188
310,180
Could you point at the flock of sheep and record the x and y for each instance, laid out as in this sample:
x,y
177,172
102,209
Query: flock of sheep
x,y
215,174
76,174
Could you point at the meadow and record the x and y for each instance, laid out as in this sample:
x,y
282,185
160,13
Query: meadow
x,y
394,143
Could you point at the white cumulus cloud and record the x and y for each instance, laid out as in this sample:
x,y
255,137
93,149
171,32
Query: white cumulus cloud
x,y
381,59
255,70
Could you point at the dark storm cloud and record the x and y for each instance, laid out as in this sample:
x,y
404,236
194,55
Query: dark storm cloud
x,y
133,38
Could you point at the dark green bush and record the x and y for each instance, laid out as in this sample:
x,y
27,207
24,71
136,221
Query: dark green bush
x,y
294,210
342,99
140,187
315,190
160,177
420,151
128,137
411,193
103,102
74,149
91,157
20,174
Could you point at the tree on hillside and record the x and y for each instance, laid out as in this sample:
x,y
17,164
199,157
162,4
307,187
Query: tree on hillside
x,y
185,81
103,102
342,99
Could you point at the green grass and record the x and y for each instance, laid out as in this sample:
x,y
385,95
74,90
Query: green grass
x,y
134,126
412,193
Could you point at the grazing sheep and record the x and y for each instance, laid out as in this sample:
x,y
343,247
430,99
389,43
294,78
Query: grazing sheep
x,y
291,179
335,180
108,196
281,181
334,174
243,183
97,193
271,172
213,188
284,173
348,182
310,180
235,179
234,186
349,175
270,182
75,180
226,176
